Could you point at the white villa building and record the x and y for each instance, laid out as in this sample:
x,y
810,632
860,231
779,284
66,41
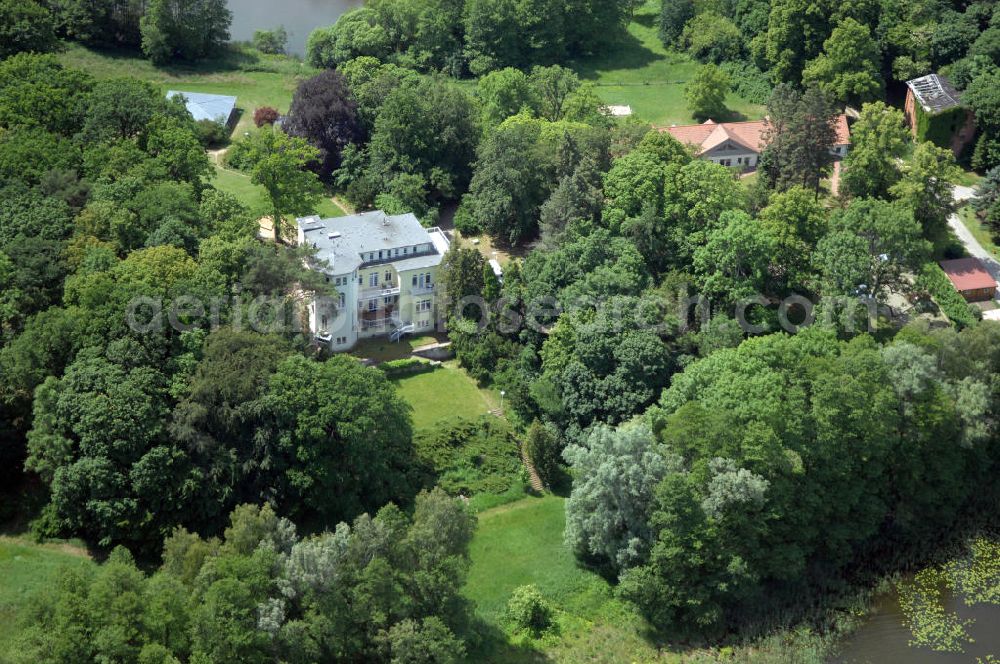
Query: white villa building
x,y
384,269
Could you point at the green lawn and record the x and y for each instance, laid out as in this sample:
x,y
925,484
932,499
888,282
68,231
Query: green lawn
x,y
640,72
968,217
253,196
442,394
26,567
239,185
522,543
968,178
272,82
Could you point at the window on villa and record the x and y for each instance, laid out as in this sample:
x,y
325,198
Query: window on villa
x,y
380,255
323,321
414,280
388,277
373,279
372,304
343,301
405,250
428,279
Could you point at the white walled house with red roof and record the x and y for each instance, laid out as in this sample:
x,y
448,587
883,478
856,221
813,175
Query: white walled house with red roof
x,y
739,144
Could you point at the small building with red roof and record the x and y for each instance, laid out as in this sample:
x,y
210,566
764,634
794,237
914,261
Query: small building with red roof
x,y
970,278
739,144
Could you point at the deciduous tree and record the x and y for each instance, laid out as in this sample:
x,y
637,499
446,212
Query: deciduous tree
x,y
706,93
325,113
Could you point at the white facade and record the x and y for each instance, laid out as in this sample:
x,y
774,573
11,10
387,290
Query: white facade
x,y
732,154
384,271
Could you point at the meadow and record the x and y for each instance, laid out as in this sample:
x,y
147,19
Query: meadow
x,y
253,78
25,568
522,543
641,72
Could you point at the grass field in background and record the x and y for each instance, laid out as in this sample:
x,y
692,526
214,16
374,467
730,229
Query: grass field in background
x,y
230,75
641,72
26,567
638,71
522,543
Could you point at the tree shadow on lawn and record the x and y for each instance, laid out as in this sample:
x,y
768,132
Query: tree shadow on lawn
x,y
487,643
627,53
645,19
229,59
731,116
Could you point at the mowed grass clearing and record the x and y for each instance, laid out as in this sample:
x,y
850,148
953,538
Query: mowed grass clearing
x,y
522,543
444,393
641,72
255,198
25,568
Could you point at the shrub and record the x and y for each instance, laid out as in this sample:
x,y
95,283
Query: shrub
x,y
528,610
265,115
471,457
211,133
465,222
238,156
271,41
544,449
405,367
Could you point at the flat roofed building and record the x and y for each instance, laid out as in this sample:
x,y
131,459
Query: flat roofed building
x,y
203,106
935,112
384,269
970,278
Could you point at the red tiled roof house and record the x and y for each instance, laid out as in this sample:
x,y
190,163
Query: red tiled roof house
x,y
970,278
739,144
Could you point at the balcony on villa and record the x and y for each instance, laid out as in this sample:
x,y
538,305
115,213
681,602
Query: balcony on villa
x,y
386,290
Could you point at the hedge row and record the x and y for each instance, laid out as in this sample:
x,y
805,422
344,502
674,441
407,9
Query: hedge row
x,y
933,279
405,367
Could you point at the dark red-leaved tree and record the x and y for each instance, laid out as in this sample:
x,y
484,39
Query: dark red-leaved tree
x,y
324,113
265,115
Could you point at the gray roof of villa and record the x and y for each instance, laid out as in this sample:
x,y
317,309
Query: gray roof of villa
x,y
934,93
341,241
204,106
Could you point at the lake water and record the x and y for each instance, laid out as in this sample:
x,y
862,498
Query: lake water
x,y
300,17
883,639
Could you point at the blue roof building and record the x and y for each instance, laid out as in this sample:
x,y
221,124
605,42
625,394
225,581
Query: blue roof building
x,y
202,106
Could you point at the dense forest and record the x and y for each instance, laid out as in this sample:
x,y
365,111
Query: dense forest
x,y
714,370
